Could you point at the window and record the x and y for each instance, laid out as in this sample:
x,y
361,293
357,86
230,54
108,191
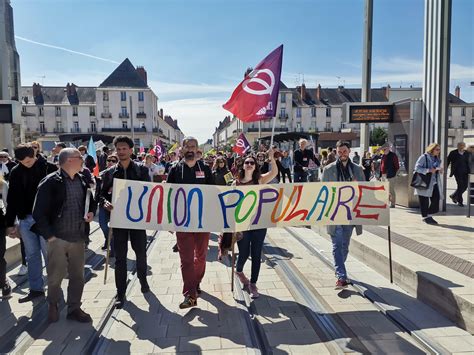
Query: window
x,y
298,127
313,111
463,124
106,109
123,96
143,125
23,109
328,126
41,111
74,110
124,111
42,127
58,111
141,96
125,124
59,126
449,124
93,127
76,126
91,111
282,98
463,111
298,112
105,96
282,113
328,112
141,109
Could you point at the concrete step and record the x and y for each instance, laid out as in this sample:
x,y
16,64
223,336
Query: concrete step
x,y
447,291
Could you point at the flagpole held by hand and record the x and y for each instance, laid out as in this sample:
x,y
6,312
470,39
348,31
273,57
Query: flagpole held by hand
x,y
107,255
273,132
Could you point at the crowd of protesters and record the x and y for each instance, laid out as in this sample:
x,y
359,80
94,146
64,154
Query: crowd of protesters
x,y
49,203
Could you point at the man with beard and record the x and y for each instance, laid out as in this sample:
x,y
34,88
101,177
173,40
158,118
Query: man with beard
x,y
192,246
129,170
343,169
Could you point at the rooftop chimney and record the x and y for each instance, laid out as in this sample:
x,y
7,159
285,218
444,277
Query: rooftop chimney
x,y
142,72
387,91
161,113
303,91
318,92
36,90
457,91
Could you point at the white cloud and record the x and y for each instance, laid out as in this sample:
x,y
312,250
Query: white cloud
x,y
198,116
187,89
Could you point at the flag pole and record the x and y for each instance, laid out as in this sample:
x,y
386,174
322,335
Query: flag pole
x,y
273,132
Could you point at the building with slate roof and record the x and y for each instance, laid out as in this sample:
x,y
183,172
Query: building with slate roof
x,y
320,111
72,113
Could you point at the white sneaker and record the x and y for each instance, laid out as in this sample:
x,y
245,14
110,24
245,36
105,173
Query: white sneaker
x,y
23,270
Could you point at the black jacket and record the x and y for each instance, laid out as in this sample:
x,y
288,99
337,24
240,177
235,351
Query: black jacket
x,y
23,185
90,163
49,203
135,171
459,163
302,158
200,173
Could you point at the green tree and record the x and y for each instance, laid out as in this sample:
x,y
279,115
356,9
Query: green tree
x,y
378,136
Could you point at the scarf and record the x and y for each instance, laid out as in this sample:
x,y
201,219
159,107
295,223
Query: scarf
x,y
344,173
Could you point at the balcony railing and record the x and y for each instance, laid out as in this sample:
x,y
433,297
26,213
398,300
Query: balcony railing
x,y
92,130
124,115
268,129
106,115
76,130
141,115
283,117
121,129
58,130
157,130
92,114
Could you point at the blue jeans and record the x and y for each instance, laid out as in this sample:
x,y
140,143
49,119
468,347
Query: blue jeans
x,y
251,244
300,176
340,248
34,246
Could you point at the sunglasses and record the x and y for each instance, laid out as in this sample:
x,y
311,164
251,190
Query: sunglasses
x,y
249,163
111,161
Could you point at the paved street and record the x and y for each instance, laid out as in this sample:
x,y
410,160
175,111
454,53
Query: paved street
x,y
299,310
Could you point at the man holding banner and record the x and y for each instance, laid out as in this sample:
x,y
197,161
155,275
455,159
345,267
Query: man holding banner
x,y
128,170
342,170
192,246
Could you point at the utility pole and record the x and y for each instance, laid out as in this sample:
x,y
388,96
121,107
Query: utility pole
x,y
131,118
366,71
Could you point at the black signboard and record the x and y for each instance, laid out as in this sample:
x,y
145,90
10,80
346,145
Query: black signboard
x,y
6,115
371,114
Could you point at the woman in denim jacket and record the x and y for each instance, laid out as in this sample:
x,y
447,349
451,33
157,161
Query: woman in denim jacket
x,y
429,162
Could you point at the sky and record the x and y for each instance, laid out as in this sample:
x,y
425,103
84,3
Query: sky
x,y
196,52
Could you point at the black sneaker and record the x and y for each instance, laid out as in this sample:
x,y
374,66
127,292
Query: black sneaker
x,y
453,198
460,204
430,220
188,302
119,301
31,296
6,290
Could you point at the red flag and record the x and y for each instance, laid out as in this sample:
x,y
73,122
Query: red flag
x,y
242,145
256,96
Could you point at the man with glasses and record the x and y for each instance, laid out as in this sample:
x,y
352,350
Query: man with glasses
x,y
61,216
56,150
129,170
24,181
192,246
6,165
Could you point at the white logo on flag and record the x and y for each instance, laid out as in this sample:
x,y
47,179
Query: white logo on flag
x,y
241,144
253,79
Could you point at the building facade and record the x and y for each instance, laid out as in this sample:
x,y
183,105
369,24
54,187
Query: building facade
x,y
322,111
74,114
